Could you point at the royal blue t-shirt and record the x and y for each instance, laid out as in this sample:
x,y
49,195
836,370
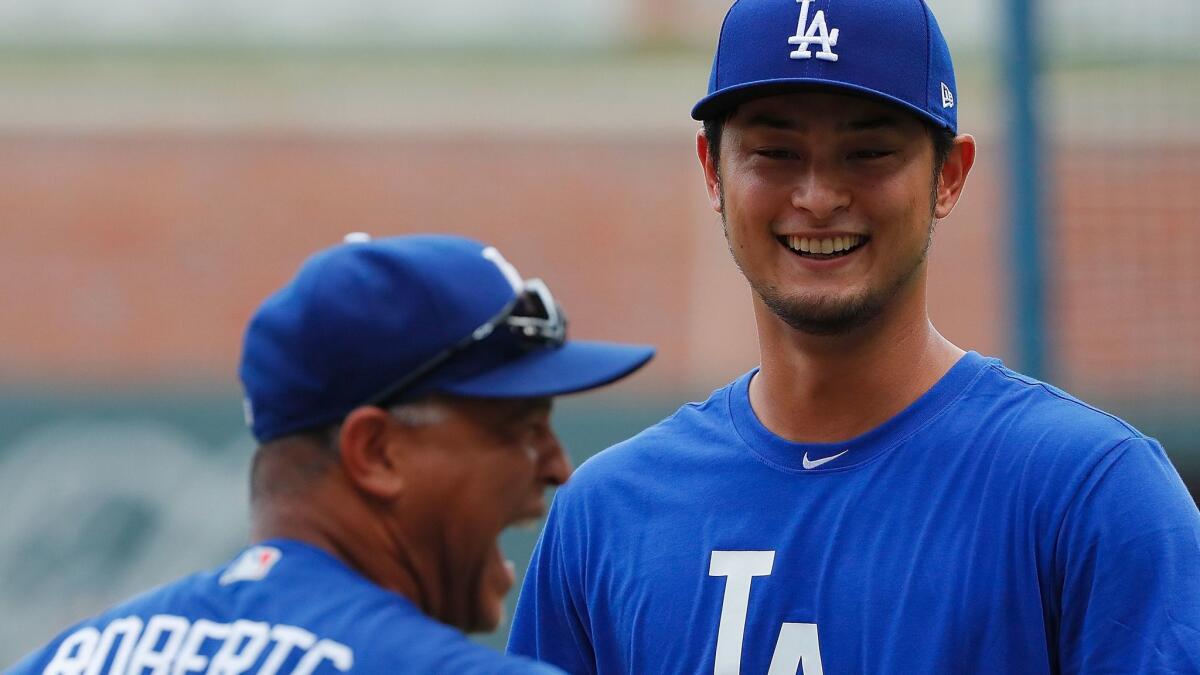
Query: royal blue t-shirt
x,y
996,525
279,607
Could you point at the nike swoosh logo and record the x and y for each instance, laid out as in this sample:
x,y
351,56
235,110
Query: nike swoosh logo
x,y
812,464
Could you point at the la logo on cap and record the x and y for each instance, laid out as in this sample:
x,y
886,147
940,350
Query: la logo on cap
x,y
506,268
816,32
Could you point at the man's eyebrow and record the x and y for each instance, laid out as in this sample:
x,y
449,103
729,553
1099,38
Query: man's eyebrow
x,y
872,123
770,121
875,122
524,408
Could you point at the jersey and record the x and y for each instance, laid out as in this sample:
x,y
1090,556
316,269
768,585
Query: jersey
x,y
279,607
996,525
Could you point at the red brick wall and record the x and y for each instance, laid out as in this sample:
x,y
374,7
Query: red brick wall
x,y
130,258
1126,305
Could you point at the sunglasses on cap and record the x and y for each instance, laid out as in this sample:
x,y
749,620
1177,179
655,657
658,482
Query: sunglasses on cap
x,y
533,318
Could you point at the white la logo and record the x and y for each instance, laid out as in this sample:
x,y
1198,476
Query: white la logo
x,y
817,31
510,272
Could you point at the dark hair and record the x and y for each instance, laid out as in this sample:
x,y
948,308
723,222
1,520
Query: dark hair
x,y
291,464
714,128
943,141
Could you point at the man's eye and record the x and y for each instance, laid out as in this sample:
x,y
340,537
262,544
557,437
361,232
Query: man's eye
x,y
776,153
873,153
523,431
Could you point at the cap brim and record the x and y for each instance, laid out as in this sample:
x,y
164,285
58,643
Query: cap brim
x,y
718,103
576,366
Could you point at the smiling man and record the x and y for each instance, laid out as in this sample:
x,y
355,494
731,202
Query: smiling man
x,y
400,391
872,498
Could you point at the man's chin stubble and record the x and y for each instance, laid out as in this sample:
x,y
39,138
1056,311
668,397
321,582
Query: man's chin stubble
x,y
836,319
822,318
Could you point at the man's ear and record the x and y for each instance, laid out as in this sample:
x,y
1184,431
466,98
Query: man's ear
x,y
370,454
954,175
712,177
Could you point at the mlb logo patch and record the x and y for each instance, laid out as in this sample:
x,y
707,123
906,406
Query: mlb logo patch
x,y
253,565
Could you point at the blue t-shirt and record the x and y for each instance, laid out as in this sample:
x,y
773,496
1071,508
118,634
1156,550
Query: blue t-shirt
x,y
996,525
279,607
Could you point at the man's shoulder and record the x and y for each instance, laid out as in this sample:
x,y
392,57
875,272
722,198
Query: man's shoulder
x,y
691,430
1032,402
427,646
280,600
1023,415
122,623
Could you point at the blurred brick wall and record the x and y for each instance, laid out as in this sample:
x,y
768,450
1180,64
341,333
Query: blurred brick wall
x,y
129,258
1126,269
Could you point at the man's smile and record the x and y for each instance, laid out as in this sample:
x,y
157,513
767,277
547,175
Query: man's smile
x,y
823,248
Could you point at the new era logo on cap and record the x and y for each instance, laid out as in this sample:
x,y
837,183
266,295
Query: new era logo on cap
x,y
947,96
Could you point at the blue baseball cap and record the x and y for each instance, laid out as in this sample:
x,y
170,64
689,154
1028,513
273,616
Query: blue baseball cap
x,y
368,321
887,49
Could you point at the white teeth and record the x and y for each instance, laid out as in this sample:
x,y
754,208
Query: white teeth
x,y
825,246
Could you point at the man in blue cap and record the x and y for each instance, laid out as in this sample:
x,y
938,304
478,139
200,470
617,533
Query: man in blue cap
x,y
400,392
871,498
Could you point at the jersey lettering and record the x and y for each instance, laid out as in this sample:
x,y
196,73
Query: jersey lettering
x,y
326,650
74,653
797,644
816,32
123,633
159,643
241,649
739,569
190,660
172,645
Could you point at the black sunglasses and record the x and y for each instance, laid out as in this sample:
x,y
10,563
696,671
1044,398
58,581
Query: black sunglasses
x,y
533,317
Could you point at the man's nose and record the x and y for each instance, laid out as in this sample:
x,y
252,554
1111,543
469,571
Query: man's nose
x,y
821,193
555,467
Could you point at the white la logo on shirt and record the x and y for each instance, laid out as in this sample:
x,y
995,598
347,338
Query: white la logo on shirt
x,y
816,32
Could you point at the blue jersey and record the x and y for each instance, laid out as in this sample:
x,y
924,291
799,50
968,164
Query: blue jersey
x,y
996,525
280,607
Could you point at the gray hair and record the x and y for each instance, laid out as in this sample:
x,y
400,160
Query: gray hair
x,y
283,466
423,412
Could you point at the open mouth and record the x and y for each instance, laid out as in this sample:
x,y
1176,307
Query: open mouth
x,y
529,521
823,248
505,569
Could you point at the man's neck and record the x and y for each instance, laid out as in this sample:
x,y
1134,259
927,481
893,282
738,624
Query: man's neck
x,y
826,389
332,518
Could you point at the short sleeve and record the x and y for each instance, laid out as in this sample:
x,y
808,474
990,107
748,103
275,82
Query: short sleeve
x,y
1128,560
547,624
